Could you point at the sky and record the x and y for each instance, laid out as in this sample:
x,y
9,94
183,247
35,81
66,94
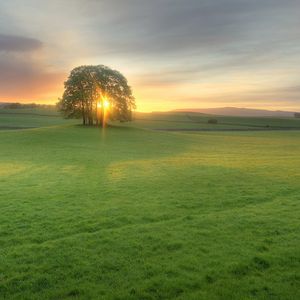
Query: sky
x,y
174,53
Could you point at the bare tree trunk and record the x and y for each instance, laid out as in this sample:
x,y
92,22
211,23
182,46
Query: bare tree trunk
x,y
101,117
82,112
91,112
83,106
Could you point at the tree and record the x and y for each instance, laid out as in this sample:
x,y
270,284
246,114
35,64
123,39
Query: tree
x,y
95,94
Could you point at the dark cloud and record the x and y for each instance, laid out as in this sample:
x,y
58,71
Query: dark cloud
x,y
194,71
161,27
23,78
13,43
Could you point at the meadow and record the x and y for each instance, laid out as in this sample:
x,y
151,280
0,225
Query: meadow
x,y
12,119
134,213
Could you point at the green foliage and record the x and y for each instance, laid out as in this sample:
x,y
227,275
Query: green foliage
x,y
171,216
89,85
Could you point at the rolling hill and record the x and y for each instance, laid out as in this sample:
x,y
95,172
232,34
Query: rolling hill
x,y
242,112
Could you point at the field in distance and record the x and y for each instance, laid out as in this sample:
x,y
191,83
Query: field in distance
x,y
129,213
32,118
26,118
198,121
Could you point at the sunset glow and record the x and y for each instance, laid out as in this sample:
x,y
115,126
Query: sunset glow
x,y
106,104
194,54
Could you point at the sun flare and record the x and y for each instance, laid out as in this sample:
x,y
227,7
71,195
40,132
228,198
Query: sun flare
x,y
106,103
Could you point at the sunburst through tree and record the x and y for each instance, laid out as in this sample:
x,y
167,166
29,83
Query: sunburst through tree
x,y
96,94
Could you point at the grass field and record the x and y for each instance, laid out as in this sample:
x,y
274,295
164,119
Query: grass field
x,y
182,120
131,213
30,118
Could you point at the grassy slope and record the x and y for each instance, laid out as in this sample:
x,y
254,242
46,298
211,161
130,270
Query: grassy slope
x,y
136,214
26,118
197,120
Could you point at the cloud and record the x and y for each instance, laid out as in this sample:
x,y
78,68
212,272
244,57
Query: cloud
x,y
13,43
176,45
285,93
24,78
164,27
22,73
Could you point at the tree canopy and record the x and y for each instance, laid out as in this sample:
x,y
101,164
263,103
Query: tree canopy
x,y
95,94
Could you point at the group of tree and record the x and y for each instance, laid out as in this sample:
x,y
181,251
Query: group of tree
x,y
95,93
17,105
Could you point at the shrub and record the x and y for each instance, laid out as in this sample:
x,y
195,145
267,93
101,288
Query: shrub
x,y
212,121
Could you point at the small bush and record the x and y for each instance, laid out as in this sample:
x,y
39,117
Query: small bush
x,y
212,121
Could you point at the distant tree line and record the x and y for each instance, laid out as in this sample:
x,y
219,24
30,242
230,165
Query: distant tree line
x,y
297,115
95,94
17,105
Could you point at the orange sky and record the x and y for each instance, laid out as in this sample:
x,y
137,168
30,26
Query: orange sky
x,y
193,54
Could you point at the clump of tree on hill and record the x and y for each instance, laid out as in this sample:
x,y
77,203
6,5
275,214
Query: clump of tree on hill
x,y
297,115
17,105
95,94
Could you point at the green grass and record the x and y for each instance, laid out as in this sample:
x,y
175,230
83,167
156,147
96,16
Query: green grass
x,y
181,120
30,118
128,213
27,118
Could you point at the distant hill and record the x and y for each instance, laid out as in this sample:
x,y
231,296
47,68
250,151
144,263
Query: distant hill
x,y
243,112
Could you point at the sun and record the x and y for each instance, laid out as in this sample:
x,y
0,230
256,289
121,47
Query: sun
x,y
106,103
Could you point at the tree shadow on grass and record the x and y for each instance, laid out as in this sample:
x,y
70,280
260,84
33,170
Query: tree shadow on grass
x,y
108,126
